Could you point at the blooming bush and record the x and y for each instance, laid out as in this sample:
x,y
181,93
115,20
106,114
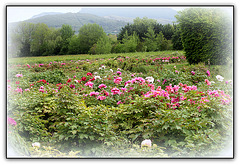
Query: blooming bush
x,y
107,107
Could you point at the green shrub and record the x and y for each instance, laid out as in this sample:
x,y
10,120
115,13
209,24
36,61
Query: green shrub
x,y
206,34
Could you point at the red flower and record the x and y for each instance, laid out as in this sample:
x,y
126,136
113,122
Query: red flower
x,y
89,74
84,79
69,80
92,79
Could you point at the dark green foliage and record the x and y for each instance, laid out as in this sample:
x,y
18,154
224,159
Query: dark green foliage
x,y
176,39
206,34
88,36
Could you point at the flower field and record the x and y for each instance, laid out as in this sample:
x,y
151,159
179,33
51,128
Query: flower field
x,y
109,106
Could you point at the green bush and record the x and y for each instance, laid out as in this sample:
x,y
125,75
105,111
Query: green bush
x,y
206,34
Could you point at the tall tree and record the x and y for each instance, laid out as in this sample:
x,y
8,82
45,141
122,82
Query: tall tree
x,y
66,33
88,35
150,40
39,42
206,33
21,38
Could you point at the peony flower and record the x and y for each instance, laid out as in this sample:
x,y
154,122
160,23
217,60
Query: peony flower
x,y
97,77
19,75
219,78
84,79
208,82
208,73
36,144
102,86
119,102
146,143
101,97
94,93
193,73
119,73
11,121
115,91
89,84
69,80
118,80
89,74
150,79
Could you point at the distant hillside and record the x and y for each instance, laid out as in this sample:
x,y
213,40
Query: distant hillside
x,y
133,12
76,20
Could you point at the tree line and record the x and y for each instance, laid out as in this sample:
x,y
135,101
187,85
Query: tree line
x,y
205,34
28,39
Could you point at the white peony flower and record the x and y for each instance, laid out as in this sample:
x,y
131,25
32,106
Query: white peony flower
x,y
219,78
36,144
150,79
111,70
146,143
97,77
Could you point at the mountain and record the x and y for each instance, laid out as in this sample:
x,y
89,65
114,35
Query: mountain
x,y
45,13
133,12
76,20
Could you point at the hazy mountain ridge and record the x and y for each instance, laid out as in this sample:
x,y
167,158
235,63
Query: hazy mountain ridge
x,y
111,19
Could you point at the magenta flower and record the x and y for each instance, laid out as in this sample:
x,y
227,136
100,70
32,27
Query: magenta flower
x,y
72,86
11,121
118,80
94,93
102,86
193,73
89,84
124,89
119,102
40,65
28,65
115,91
63,63
208,73
101,97
119,73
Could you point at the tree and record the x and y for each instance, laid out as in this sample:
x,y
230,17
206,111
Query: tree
x,y
162,42
176,39
150,40
66,33
39,42
103,45
54,42
88,35
21,38
74,46
206,34
130,42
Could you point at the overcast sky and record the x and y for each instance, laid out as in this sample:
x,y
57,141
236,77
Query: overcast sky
x,y
15,14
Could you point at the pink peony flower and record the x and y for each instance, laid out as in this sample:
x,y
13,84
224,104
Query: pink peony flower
x,y
115,91
119,73
208,82
11,121
101,97
193,73
118,80
102,86
89,84
19,75
208,73
94,93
